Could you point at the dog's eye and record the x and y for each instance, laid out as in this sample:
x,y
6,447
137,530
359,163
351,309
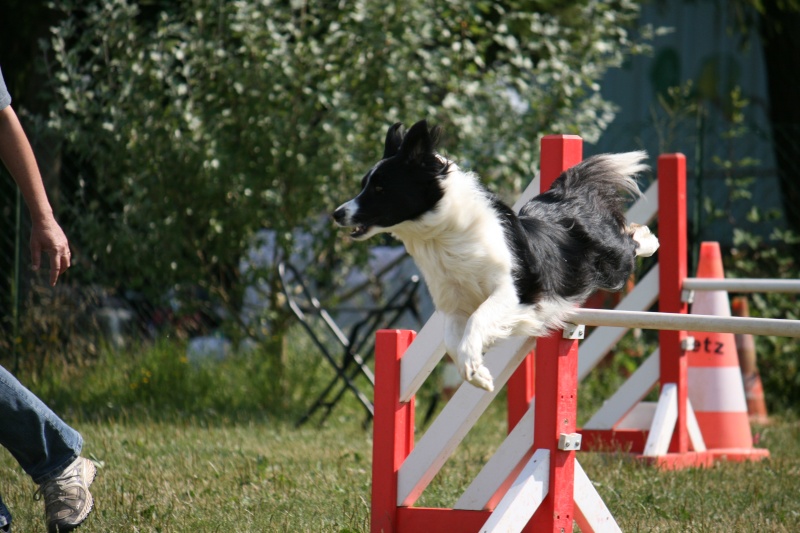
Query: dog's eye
x,y
378,189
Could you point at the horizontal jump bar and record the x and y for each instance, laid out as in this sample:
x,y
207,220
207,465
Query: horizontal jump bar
x,y
681,322
742,285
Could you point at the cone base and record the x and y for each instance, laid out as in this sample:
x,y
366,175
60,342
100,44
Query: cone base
x,y
739,454
679,461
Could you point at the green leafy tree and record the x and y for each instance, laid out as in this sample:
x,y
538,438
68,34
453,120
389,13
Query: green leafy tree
x,y
208,121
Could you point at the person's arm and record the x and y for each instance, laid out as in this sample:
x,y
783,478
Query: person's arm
x,y
46,234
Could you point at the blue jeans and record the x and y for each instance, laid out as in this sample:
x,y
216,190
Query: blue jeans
x,y
42,443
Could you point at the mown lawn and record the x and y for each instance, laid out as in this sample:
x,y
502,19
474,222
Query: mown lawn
x,y
189,475
165,467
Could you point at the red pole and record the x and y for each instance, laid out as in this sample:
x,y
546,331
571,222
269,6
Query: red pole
x,y
558,153
392,428
556,376
554,414
672,260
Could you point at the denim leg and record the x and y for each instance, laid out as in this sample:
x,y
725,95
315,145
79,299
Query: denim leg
x,y
39,440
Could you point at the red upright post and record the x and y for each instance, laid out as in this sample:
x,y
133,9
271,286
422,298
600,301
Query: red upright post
x,y
554,414
556,376
673,270
558,153
392,428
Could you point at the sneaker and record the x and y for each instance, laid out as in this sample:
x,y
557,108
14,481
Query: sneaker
x,y
67,501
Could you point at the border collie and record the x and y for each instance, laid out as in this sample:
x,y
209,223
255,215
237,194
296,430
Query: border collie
x,y
492,273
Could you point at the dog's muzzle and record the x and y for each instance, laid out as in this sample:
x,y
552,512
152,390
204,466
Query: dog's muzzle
x,y
343,216
340,216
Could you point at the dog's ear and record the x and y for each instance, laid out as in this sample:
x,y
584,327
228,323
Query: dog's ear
x,y
394,138
418,143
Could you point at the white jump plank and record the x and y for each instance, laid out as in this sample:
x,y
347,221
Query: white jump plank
x,y
693,428
456,419
640,417
663,422
523,498
422,357
645,208
502,464
530,191
628,395
592,514
602,339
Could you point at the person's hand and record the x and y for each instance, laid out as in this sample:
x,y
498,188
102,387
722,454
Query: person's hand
x,y
49,238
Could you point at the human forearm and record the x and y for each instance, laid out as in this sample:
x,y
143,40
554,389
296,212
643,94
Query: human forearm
x,y
17,155
46,234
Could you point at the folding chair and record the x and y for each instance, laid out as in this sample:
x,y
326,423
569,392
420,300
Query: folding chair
x,y
359,339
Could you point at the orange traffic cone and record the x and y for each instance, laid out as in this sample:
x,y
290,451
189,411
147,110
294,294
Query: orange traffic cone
x,y
715,385
746,347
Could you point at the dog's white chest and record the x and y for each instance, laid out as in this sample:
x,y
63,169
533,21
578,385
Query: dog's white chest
x,y
461,271
460,246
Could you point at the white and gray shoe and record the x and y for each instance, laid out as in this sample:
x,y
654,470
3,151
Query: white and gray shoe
x,y
67,500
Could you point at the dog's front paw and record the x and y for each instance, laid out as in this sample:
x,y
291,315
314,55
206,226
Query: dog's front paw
x,y
478,375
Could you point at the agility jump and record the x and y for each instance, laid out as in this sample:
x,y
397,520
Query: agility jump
x,y
533,483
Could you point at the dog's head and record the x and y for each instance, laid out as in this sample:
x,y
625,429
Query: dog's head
x,y
401,187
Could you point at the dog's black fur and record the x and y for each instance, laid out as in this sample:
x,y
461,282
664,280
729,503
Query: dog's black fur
x,y
578,224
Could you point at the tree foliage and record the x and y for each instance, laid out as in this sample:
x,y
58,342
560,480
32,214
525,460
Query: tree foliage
x,y
216,119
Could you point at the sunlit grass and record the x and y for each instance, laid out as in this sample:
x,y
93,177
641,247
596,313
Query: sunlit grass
x,y
186,448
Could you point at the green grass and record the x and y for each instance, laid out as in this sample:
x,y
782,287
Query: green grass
x,y
214,448
192,476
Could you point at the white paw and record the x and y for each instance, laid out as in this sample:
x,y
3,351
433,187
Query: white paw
x,y
647,243
482,379
477,374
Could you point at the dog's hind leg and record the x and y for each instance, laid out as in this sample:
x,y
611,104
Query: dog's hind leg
x,y
646,242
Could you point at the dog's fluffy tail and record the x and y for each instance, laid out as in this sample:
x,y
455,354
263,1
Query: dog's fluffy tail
x,y
605,175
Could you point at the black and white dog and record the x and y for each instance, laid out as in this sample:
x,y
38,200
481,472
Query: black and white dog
x,y
492,273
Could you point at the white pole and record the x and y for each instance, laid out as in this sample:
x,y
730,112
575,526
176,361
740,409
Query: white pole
x,y
681,322
742,285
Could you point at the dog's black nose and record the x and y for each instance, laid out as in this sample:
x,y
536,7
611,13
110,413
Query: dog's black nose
x,y
339,215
